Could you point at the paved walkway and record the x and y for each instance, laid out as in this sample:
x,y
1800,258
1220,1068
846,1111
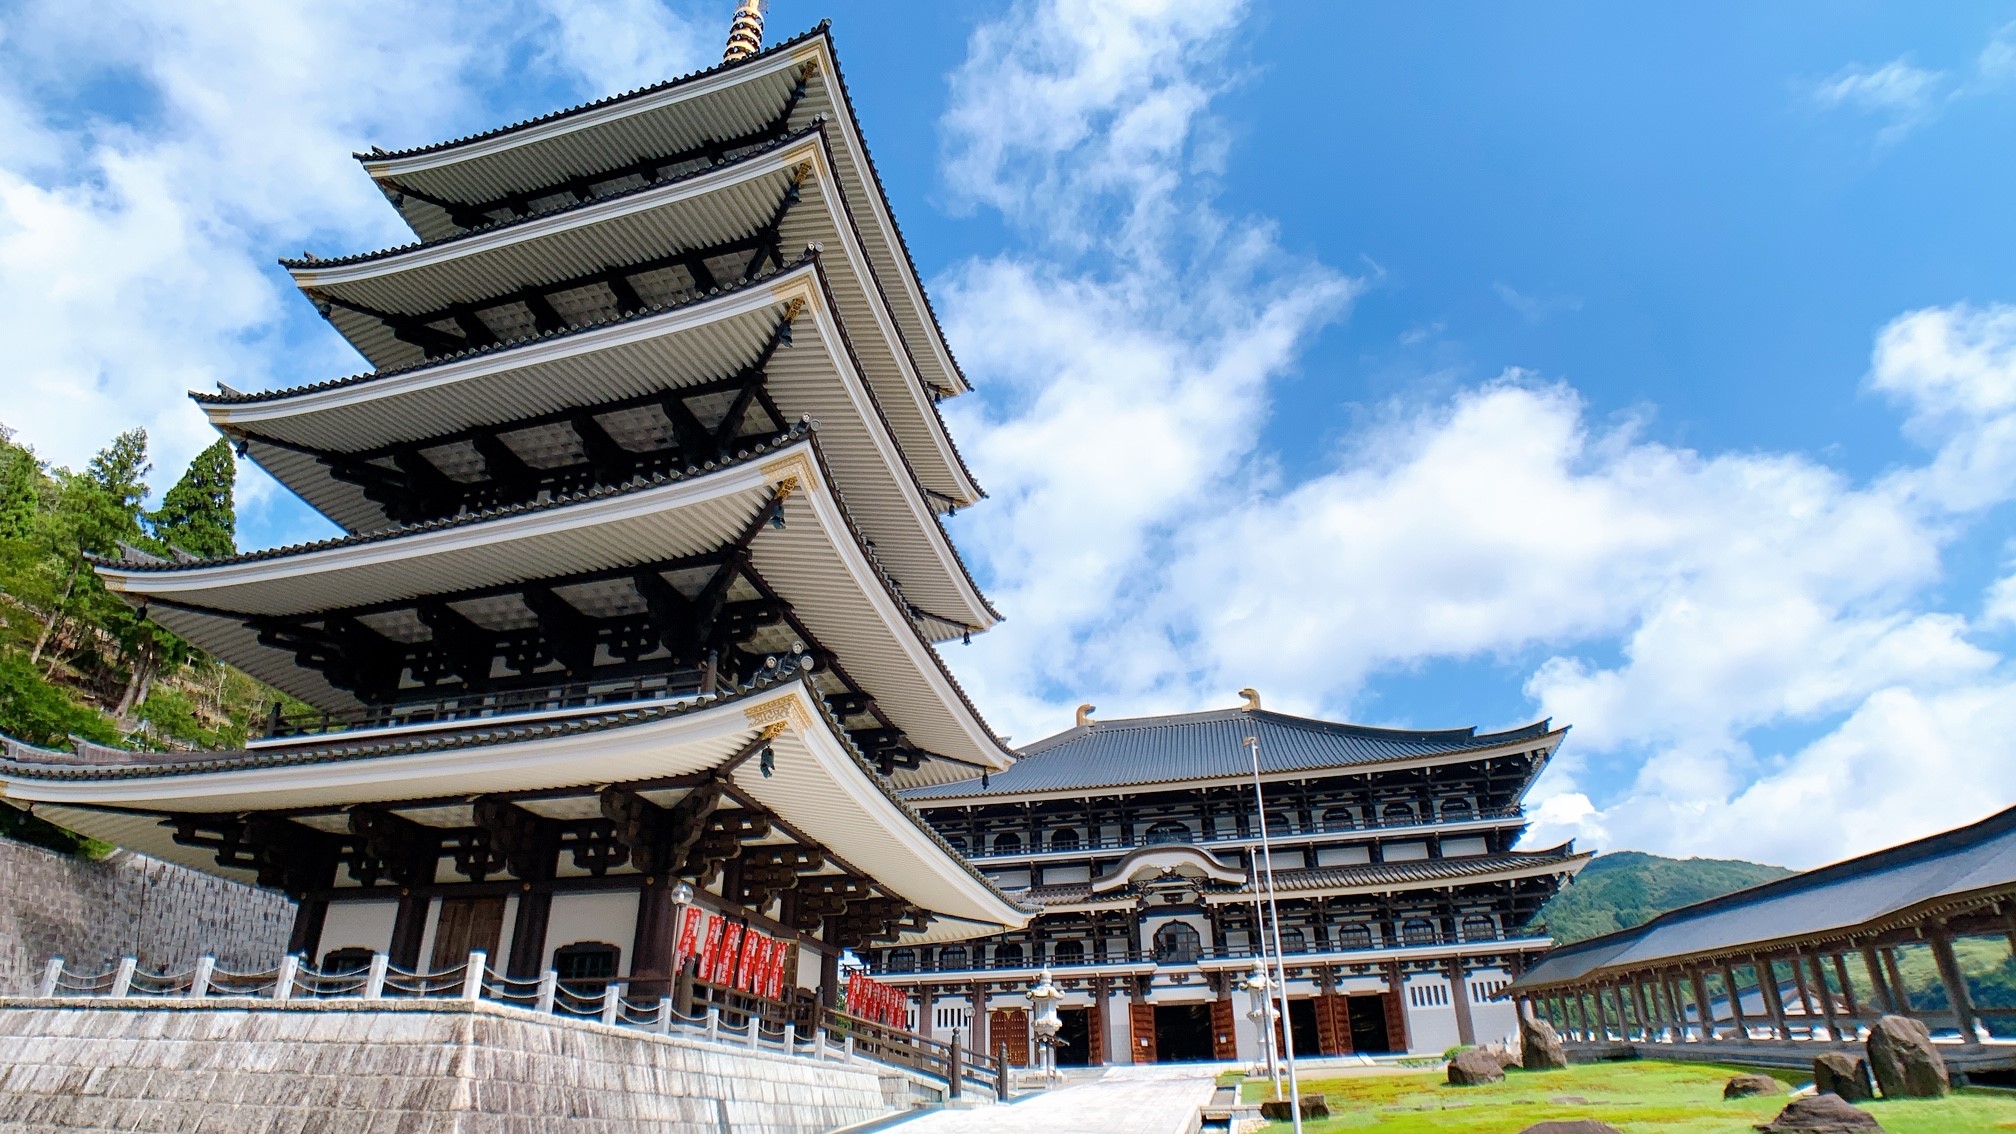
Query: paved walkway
x,y
1149,1099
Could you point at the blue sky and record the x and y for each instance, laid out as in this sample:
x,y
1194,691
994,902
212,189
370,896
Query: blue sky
x,y
1651,370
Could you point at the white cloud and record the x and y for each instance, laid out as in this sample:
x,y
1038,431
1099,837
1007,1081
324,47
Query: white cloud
x,y
1152,556
617,45
136,250
1904,94
1997,62
1534,308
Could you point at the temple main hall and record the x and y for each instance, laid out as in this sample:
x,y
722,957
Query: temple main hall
x,y
1403,904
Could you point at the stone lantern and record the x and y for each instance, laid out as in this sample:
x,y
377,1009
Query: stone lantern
x,y
1044,997
1260,993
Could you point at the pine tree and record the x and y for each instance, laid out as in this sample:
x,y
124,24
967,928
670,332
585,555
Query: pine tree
x,y
20,489
196,515
94,512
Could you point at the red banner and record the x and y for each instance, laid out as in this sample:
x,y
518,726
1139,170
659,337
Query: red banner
x,y
710,946
722,965
755,955
872,1000
690,921
773,978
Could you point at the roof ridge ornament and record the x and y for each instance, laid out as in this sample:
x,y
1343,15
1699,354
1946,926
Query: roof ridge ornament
x,y
1085,715
1252,696
745,33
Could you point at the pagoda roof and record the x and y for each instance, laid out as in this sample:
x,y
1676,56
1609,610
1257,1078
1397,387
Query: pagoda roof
x,y
1861,897
706,208
818,784
726,101
818,377
818,562
1210,746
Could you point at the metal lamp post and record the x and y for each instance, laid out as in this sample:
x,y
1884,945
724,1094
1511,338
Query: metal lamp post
x,y
1274,930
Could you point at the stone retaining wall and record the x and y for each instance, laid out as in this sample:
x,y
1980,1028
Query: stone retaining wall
x,y
226,1066
93,913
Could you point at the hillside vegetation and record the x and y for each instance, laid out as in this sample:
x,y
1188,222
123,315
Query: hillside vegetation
x,y
75,660
1629,888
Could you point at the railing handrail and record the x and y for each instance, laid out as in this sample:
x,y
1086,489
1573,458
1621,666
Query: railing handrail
x,y
475,706
830,1035
1134,955
1135,842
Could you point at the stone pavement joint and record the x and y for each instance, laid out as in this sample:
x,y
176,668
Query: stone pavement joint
x,y
1152,1099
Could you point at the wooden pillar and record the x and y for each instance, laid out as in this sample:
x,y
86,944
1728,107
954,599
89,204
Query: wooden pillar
x,y
306,938
1885,1000
829,982
528,933
978,996
1734,992
1826,995
1805,994
1459,997
1638,1004
1853,1009
1774,1004
409,925
1703,1007
1899,992
1957,995
651,947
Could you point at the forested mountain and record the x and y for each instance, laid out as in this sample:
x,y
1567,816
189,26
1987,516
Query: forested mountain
x,y
1629,888
74,659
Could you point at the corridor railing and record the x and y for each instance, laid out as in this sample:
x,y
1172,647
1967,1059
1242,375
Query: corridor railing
x,y
835,1036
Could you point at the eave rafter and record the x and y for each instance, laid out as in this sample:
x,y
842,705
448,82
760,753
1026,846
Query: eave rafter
x,y
408,482
651,168
627,288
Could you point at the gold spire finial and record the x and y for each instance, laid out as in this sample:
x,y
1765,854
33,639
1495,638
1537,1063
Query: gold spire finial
x,y
1252,704
745,35
1085,714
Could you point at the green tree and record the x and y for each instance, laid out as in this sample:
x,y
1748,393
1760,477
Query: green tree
x,y
20,490
197,515
94,512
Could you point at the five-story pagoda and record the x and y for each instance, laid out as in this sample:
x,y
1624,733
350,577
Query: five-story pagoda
x,y
644,567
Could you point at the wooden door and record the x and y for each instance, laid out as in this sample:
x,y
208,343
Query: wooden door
x,y
1141,1023
1333,1024
1396,1020
1095,1026
466,924
1224,1030
1010,1026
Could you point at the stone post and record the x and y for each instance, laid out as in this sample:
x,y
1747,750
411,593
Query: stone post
x,y
374,978
286,978
52,976
473,974
955,1069
612,1003
549,987
199,982
122,981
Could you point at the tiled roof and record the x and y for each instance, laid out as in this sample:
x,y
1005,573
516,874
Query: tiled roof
x,y
242,397
1853,895
1402,874
822,30
799,431
1210,745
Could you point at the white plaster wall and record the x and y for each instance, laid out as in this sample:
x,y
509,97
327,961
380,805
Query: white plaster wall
x,y
808,970
609,917
357,925
504,936
1431,1029
1496,1020
1118,1028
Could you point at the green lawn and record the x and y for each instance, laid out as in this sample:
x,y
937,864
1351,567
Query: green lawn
x,y
1637,1098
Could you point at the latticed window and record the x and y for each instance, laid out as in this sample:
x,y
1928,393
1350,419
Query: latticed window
x,y
1177,943
1353,937
1293,941
1010,843
1456,809
902,960
1068,952
1168,831
1064,839
952,957
1396,813
1338,819
1418,931
1008,953
346,962
1477,927
584,961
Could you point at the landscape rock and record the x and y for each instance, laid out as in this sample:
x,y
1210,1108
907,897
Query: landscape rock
x,y
1571,1126
1474,1068
1750,1086
1313,1106
1821,1114
1540,1046
1838,1073
1905,1063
